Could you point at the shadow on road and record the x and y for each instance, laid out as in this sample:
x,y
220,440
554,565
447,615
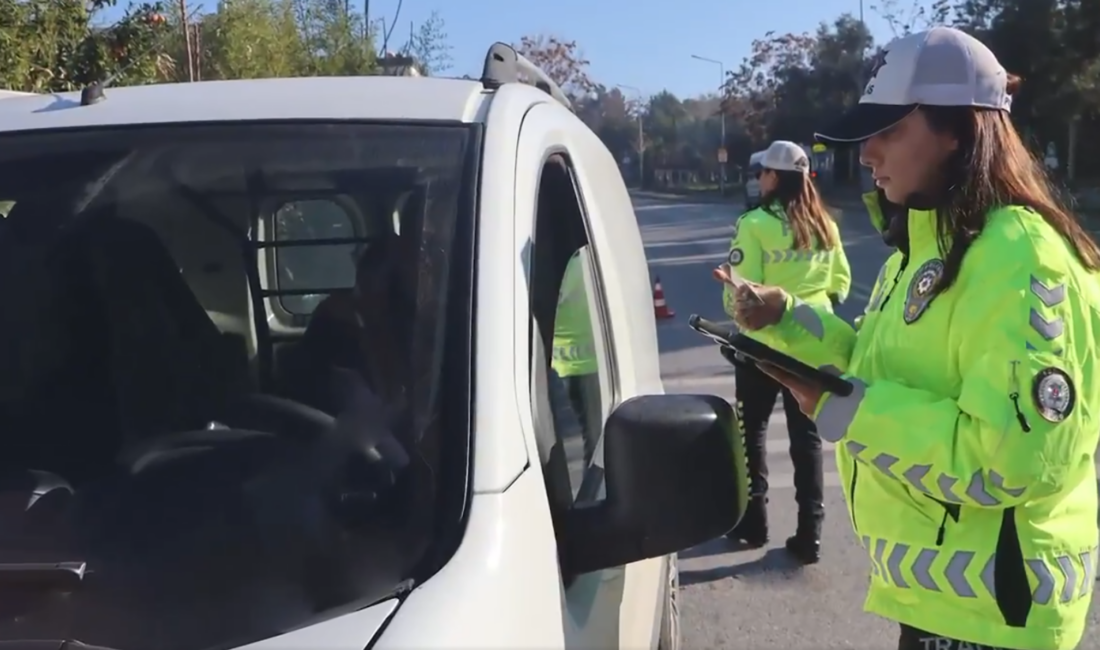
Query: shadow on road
x,y
717,546
776,563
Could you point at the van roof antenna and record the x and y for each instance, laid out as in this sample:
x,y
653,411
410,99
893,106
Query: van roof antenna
x,y
93,92
503,64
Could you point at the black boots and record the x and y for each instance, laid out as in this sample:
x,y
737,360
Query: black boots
x,y
752,530
805,544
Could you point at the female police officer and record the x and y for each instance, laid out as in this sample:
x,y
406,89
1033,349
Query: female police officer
x,y
789,241
967,449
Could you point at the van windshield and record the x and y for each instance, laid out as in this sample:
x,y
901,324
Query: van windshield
x,y
222,355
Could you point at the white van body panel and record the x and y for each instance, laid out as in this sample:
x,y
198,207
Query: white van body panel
x,y
503,588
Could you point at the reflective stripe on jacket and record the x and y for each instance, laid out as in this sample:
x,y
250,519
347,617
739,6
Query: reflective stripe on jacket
x,y
967,451
762,251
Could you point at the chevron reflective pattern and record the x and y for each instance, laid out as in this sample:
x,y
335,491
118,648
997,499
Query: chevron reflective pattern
x,y
1052,328
776,256
966,574
980,488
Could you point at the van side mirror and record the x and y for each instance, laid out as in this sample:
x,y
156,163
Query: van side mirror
x,y
676,476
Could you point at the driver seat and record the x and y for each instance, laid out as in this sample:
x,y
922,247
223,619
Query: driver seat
x,y
171,368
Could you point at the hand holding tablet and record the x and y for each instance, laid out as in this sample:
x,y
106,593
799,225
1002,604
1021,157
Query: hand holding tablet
x,y
769,360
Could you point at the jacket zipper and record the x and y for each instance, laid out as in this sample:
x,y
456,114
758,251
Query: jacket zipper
x,y
943,529
894,284
852,494
1014,395
953,510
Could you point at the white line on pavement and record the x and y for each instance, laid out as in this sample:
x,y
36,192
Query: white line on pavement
x,y
670,206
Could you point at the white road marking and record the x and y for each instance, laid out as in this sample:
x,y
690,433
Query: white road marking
x,y
670,206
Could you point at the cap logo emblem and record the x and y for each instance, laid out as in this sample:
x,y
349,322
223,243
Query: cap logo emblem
x,y
876,65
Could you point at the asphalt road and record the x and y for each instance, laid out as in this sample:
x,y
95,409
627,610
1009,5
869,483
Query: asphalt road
x,y
759,599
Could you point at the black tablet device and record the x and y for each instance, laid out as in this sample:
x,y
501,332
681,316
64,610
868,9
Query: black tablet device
x,y
754,350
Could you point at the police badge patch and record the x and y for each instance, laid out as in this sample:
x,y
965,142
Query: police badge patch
x,y
736,257
1054,394
921,289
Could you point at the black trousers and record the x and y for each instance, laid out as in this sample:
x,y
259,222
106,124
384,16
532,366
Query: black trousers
x,y
913,639
756,393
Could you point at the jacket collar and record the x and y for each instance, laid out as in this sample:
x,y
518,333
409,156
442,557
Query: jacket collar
x,y
922,231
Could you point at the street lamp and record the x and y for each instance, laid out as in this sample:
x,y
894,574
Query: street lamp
x,y
641,135
722,146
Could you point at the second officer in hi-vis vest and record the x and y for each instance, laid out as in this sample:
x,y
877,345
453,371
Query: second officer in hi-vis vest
x,y
790,241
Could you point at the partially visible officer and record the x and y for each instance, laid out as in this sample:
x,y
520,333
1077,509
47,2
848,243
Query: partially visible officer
x,y
789,241
574,354
967,450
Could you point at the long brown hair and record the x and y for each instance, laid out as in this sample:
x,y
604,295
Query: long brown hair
x,y
806,213
993,168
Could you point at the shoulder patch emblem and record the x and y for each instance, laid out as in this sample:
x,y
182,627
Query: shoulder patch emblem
x,y
736,257
1054,394
921,289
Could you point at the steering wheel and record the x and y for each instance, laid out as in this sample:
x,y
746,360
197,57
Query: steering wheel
x,y
277,415
355,454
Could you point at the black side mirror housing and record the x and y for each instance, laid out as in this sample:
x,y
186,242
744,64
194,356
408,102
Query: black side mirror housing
x,y
676,476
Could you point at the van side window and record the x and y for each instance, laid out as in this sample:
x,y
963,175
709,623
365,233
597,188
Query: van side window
x,y
321,266
575,381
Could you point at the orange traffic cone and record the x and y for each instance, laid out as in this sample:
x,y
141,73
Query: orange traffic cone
x,y
660,307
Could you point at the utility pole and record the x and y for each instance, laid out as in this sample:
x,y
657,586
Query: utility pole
x,y
853,154
189,51
641,134
723,158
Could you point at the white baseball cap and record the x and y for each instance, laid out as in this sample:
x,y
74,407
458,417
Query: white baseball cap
x,y
938,67
786,156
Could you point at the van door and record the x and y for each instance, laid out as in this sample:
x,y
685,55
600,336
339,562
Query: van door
x,y
572,361
631,336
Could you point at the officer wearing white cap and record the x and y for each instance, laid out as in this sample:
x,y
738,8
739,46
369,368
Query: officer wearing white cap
x,y
789,241
967,449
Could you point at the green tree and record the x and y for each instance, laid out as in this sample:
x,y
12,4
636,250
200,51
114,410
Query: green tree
x,y
429,45
55,45
562,61
251,39
1052,44
332,37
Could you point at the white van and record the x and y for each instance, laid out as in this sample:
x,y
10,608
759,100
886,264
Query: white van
x,y
210,439
752,180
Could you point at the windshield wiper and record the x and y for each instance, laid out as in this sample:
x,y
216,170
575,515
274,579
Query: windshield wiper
x,y
49,645
400,589
52,576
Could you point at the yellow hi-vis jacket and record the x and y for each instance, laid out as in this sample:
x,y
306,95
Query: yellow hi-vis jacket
x,y
762,251
574,346
967,451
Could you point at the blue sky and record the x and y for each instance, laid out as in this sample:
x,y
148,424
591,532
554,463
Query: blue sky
x,y
643,44
646,44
